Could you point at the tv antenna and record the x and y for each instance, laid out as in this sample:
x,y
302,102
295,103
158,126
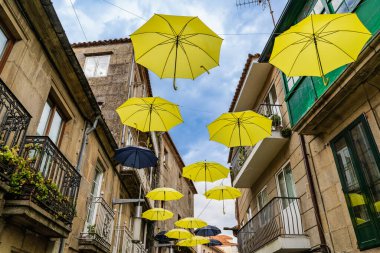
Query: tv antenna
x,y
263,3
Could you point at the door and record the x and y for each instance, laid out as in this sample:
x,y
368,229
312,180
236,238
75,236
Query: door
x,y
357,160
264,211
290,212
90,226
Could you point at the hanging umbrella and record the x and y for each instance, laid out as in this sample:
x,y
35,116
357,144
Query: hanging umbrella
x,y
176,46
157,214
205,171
208,231
319,44
149,114
193,241
179,233
136,157
222,192
162,238
190,222
164,194
244,128
214,242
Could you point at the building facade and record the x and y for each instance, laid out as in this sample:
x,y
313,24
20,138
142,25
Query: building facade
x,y
312,185
60,189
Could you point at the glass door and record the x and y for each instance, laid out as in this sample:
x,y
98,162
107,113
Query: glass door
x,y
357,159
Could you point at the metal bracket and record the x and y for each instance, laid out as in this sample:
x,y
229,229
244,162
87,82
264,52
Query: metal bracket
x,y
126,201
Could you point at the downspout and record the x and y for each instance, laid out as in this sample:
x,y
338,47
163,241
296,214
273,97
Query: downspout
x,y
317,213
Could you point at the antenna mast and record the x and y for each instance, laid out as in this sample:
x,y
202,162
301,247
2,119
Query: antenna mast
x,y
263,3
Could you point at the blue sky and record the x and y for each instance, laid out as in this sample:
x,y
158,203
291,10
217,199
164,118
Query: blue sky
x,y
201,100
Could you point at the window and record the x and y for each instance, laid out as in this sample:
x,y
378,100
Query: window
x,y
318,8
95,192
358,163
6,43
285,182
262,200
271,107
96,66
341,6
51,122
166,157
291,81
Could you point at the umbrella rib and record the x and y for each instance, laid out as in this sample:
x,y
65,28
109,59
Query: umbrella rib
x,y
166,35
163,110
166,61
171,27
259,127
246,130
187,58
184,27
140,110
159,44
324,34
295,60
292,44
194,45
232,133
321,29
162,120
189,35
328,42
230,124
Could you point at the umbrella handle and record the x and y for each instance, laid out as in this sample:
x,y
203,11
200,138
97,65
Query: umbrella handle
x,y
174,84
325,80
203,67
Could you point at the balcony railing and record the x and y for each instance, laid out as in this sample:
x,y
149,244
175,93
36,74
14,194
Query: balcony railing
x,y
279,218
57,172
14,118
238,160
99,230
123,241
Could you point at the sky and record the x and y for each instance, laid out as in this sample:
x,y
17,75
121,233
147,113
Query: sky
x,y
201,101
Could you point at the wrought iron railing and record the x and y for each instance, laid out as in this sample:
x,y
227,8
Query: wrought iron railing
x,y
123,241
100,226
14,118
238,160
280,217
48,160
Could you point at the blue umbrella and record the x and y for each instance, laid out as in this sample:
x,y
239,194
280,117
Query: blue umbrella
x,y
214,242
208,231
162,238
136,157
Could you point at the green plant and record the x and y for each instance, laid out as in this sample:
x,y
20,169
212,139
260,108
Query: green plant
x,y
91,228
276,120
286,132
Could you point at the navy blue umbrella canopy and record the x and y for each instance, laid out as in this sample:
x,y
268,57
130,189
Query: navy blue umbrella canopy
x,y
162,238
136,157
214,242
208,231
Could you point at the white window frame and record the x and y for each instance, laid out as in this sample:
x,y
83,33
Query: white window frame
x,y
277,182
96,72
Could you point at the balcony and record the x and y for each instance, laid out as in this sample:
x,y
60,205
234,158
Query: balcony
x,y
43,194
99,227
277,227
124,242
248,163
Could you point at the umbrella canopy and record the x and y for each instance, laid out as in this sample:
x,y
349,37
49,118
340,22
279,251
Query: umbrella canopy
x,y
149,114
164,194
176,46
214,242
162,238
179,233
244,128
208,231
158,214
190,222
319,44
222,192
205,171
136,157
193,241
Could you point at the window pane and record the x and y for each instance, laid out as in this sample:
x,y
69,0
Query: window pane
x,y
289,182
89,67
102,65
55,127
44,120
368,164
3,42
318,8
355,195
282,184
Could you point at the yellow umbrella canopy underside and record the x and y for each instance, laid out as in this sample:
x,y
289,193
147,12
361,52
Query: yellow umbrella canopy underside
x,y
222,192
319,44
193,241
149,114
244,128
157,214
179,233
205,171
164,194
176,46
190,222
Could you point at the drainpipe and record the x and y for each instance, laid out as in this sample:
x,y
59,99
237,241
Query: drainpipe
x,y
313,194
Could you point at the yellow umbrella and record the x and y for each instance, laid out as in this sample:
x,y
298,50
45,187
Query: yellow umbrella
x,y
205,171
149,114
244,128
176,46
190,222
356,199
223,192
158,214
319,44
179,233
164,194
193,241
